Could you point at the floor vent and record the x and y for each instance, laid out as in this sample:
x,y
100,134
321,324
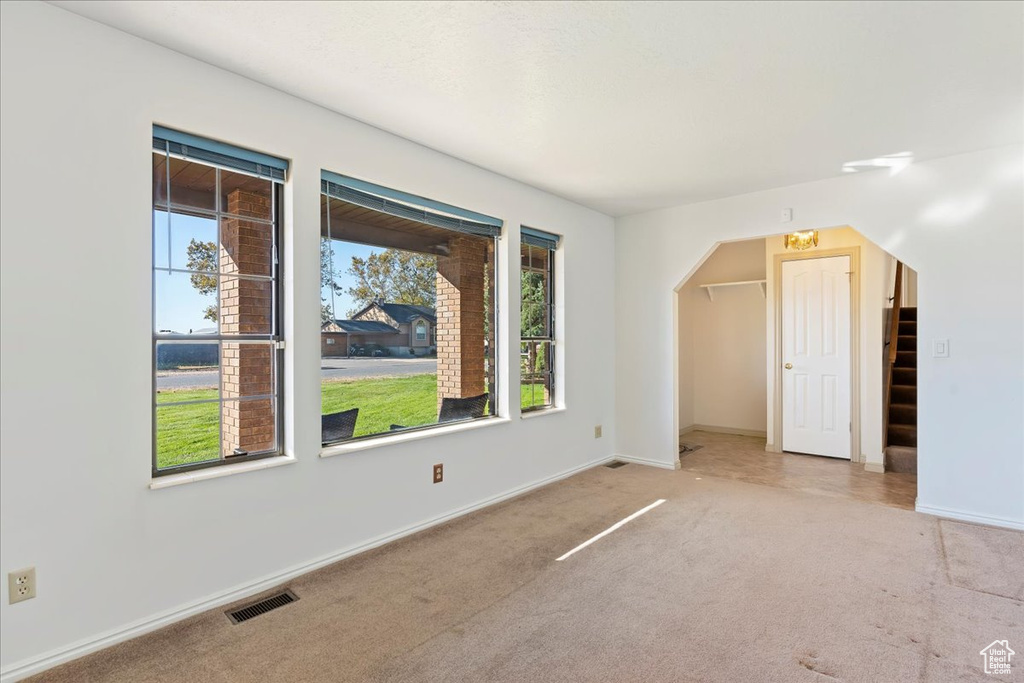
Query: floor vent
x,y
262,607
688,448
617,464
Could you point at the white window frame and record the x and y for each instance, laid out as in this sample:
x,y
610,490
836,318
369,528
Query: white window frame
x,y
549,339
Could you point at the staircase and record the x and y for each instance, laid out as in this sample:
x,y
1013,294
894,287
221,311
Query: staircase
x,y
901,441
901,400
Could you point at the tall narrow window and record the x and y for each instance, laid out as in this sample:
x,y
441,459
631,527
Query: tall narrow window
x,y
407,302
537,319
216,302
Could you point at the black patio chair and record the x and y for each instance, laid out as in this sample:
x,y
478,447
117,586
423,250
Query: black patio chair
x,y
462,408
338,426
454,409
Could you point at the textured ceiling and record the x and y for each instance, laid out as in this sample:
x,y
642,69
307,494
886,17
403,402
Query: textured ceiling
x,y
627,107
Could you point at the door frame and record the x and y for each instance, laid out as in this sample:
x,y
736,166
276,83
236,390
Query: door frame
x,y
854,253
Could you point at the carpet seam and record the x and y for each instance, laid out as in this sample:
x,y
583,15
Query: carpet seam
x,y
801,491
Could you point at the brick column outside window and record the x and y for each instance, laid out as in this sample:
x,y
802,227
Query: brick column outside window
x,y
460,319
245,308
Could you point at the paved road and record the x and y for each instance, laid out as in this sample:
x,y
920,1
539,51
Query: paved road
x,y
333,368
375,367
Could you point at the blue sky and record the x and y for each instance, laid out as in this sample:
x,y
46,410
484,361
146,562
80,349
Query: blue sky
x,y
180,307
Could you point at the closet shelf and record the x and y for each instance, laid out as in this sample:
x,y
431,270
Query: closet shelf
x,y
710,287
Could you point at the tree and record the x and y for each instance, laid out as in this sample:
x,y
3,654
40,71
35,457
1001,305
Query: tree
x,y
328,281
394,276
533,313
202,256
533,316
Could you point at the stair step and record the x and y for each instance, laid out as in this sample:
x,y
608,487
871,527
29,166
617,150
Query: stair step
x,y
901,459
908,327
906,359
905,394
902,435
906,342
904,376
908,314
903,414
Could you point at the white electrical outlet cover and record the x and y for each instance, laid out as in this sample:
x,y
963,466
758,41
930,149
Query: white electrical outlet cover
x,y
21,585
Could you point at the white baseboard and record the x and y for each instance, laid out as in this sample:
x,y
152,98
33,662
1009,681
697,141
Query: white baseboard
x,y
876,467
645,461
723,430
970,517
34,665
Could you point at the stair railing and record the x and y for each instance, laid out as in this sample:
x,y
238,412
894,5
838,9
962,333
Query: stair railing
x,y
894,340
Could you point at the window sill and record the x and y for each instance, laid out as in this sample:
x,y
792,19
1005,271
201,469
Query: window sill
x,y
393,439
530,414
221,471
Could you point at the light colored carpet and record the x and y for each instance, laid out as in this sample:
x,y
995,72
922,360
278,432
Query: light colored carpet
x,y
726,581
984,559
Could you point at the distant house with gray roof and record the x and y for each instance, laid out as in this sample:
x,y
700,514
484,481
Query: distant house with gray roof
x,y
402,329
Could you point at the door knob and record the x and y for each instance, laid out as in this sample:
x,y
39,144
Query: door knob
x,y
789,366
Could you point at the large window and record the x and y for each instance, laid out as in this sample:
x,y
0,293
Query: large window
x,y
216,303
537,319
407,311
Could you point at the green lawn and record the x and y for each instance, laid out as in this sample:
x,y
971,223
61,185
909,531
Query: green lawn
x,y
190,433
409,401
187,434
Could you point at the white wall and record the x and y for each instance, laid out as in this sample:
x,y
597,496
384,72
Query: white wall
x,y
872,296
722,342
78,104
959,222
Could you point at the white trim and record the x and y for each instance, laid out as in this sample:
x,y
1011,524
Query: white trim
x,y
34,665
219,471
403,437
875,467
970,517
646,461
530,414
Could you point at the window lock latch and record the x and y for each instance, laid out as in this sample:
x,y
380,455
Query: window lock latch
x,y
240,451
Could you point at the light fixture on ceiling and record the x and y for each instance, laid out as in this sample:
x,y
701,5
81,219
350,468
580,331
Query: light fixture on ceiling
x,y
801,240
894,162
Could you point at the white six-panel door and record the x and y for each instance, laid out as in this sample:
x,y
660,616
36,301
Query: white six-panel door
x,y
816,356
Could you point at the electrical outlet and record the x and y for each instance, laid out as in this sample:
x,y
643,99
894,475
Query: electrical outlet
x,y
597,432
438,473
21,585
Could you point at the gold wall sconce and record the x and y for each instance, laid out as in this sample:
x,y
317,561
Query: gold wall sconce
x,y
801,240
